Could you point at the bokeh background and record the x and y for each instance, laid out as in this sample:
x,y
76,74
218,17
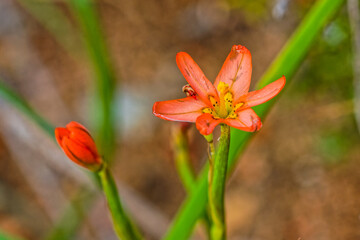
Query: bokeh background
x,y
298,178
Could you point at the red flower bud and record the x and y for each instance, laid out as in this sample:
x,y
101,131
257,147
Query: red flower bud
x,y
78,145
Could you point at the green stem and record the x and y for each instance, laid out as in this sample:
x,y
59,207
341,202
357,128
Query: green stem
x,y
217,179
105,84
17,101
123,226
211,148
49,14
182,159
186,173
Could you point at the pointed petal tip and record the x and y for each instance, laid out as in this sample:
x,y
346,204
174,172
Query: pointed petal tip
x,y
156,112
75,124
240,49
236,71
283,80
182,56
154,108
279,84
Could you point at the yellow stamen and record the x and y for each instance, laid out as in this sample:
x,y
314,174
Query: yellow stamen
x,y
211,111
237,106
222,87
214,103
224,107
228,101
208,110
232,115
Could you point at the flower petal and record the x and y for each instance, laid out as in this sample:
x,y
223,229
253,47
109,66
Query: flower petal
x,y
78,153
75,124
265,94
206,123
195,77
183,110
80,135
236,71
60,133
247,120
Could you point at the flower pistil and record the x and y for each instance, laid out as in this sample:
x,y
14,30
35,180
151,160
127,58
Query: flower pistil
x,y
224,108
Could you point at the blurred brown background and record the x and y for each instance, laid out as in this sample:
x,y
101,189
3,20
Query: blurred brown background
x,y
299,177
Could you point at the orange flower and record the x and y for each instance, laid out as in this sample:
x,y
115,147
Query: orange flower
x,y
78,145
228,101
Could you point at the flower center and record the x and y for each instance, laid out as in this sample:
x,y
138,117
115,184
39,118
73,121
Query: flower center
x,y
225,108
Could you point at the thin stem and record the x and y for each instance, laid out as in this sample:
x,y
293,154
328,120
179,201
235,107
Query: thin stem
x,y
217,179
211,153
17,101
185,171
211,156
182,159
211,148
105,84
123,226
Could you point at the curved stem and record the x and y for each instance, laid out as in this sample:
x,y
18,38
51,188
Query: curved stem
x,y
123,226
217,179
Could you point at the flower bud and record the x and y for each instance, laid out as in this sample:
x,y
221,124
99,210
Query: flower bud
x,y
78,145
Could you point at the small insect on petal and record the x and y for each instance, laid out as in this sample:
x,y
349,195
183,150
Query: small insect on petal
x,y
189,91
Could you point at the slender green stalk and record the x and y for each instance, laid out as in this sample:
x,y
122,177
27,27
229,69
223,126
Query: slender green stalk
x,y
211,147
217,180
211,156
182,159
13,98
123,226
212,150
105,84
183,166
286,63
55,21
